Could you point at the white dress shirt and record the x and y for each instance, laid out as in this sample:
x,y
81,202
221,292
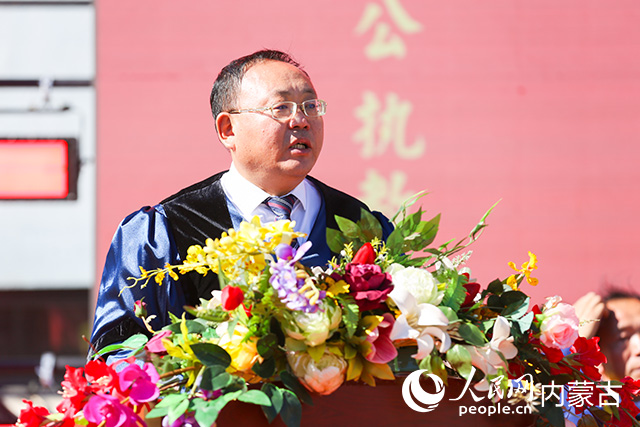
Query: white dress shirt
x,y
248,198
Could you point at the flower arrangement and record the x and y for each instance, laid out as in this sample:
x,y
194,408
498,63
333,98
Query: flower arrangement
x,y
278,330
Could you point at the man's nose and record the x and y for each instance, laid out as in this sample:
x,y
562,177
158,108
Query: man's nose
x,y
299,119
634,343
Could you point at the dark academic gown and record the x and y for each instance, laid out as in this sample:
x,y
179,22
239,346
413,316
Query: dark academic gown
x,y
155,236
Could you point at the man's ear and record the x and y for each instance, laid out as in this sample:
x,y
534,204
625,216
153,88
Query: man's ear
x,y
224,127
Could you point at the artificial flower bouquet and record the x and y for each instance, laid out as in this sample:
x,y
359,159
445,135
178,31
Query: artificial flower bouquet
x,y
278,330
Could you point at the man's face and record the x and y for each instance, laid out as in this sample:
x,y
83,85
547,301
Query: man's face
x,y
620,338
274,155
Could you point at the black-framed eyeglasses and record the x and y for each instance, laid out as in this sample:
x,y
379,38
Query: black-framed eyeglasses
x,y
287,109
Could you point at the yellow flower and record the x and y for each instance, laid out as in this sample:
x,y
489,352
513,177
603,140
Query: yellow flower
x,y
527,269
244,353
336,288
512,282
183,350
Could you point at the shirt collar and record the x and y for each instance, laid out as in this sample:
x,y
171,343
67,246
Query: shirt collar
x,y
248,197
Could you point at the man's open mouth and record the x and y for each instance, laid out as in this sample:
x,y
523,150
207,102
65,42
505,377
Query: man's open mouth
x,y
300,146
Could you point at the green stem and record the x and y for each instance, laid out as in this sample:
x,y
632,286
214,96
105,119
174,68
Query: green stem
x,y
194,388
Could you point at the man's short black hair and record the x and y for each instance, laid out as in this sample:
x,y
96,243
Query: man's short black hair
x,y
613,292
225,89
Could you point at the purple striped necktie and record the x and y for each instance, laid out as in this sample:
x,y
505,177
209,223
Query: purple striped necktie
x,y
281,206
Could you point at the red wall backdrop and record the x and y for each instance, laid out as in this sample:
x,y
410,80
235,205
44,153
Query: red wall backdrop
x,y
536,104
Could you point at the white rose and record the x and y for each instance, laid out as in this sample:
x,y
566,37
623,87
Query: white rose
x,y
312,328
418,282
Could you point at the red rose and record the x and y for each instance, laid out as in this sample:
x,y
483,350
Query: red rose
x,y
365,255
368,285
471,290
232,297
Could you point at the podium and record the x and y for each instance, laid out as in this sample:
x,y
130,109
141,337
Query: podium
x,y
357,404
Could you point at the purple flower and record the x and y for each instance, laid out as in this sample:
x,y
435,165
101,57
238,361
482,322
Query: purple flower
x,y
185,420
141,382
107,409
368,285
292,290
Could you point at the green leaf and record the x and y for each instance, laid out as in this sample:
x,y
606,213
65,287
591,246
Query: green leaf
x,y
176,411
513,297
350,314
425,364
460,359
449,312
207,414
475,233
291,412
369,225
157,412
135,342
275,395
221,380
266,369
553,413
496,287
208,375
494,303
335,240
427,231
267,344
171,400
524,323
256,397
211,354
349,228
291,382
454,294
193,327
516,309
472,334
395,242
438,367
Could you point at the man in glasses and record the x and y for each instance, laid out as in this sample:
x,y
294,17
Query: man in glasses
x,y
269,117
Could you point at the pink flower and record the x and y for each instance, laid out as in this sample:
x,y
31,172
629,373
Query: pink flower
x,y
368,285
108,409
141,382
140,308
382,348
155,343
559,325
